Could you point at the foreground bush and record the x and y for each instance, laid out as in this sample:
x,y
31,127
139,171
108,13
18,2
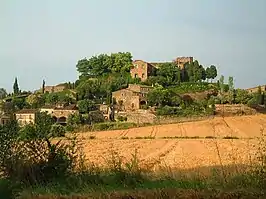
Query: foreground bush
x,y
28,156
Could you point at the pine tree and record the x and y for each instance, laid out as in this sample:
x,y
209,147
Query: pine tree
x,y
16,87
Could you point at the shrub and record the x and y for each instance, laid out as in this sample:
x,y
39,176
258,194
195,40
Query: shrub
x,y
30,157
58,130
167,110
121,118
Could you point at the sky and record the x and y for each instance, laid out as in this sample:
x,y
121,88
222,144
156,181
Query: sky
x,y
45,39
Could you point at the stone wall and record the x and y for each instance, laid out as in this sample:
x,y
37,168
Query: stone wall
x,y
130,100
234,109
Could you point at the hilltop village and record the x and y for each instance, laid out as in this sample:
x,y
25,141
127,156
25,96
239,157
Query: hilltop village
x,y
115,88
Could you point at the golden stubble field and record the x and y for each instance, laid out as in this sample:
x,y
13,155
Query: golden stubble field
x,y
180,153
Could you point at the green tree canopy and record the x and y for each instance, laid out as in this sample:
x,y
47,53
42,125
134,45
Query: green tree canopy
x,y
104,64
3,93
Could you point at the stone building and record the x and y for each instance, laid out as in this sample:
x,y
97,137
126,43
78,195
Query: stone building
x,y
131,98
59,113
26,116
4,119
255,89
142,70
182,61
54,89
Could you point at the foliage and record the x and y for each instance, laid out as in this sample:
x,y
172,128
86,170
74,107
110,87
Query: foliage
x,y
190,87
231,90
242,96
35,100
104,64
3,93
19,103
58,130
161,97
85,106
170,73
112,126
121,118
52,98
28,156
16,87
74,120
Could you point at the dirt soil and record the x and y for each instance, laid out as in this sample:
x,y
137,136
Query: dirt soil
x,y
178,153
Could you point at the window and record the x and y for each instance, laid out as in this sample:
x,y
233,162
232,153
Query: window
x,y
136,75
136,65
143,75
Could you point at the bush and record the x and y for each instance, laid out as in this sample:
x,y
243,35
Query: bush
x,y
30,158
58,130
121,118
112,126
167,110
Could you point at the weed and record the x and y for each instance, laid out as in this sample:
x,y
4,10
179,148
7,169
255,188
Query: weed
x,y
92,137
230,137
210,137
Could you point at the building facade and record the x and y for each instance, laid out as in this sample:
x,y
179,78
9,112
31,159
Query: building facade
x,y
4,119
131,98
26,116
256,89
142,70
182,61
60,114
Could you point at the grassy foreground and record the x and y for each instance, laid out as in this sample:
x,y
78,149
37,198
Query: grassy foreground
x,y
128,180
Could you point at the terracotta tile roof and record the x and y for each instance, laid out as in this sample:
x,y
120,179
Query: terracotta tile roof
x,y
27,111
69,107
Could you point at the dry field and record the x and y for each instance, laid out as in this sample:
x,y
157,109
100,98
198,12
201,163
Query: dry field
x,y
181,153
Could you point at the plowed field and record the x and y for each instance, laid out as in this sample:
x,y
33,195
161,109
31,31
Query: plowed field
x,y
181,153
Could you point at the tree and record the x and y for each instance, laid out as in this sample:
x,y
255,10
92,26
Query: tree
x,y
85,106
3,93
231,89
213,72
208,73
259,96
16,87
35,100
221,82
52,98
242,96
170,72
104,64
43,87
161,97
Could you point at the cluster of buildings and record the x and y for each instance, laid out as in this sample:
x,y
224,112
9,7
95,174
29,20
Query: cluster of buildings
x,y
143,70
130,99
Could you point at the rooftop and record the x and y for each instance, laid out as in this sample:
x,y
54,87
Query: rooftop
x,y
27,111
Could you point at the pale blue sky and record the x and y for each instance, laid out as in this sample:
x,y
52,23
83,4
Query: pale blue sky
x,y
44,39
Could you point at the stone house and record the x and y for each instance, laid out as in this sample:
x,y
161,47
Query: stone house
x,y
26,116
54,89
255,89
182,61
4,119
106,110
131,98
59,113
142,70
